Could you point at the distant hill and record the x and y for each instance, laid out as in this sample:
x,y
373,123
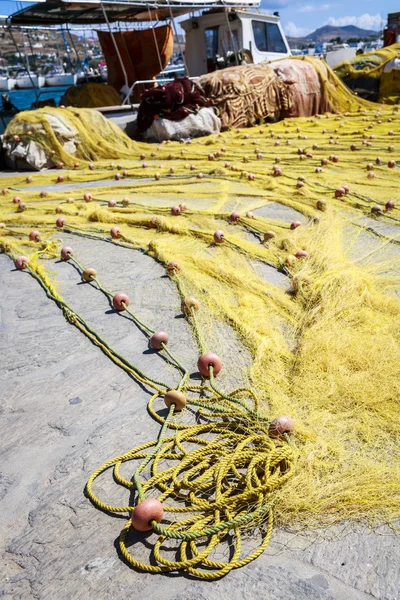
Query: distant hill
x,y
328,32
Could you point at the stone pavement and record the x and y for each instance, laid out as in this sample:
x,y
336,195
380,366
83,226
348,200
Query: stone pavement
x,y
66,408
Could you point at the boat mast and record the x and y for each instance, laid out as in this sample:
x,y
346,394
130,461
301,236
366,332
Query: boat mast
x,y
24,58
67,49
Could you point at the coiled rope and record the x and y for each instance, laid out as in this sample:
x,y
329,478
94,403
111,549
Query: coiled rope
x,y
215,478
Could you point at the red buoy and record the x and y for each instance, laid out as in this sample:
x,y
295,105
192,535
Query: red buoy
x,y
158,339
280,425
119,300
147,511
295,224
390,205
339,192
115,232
87,197
234,217
301,254
376,210
219,236
112,203
60,222
34,236
173,266
21,262
209,359
175,211
66,252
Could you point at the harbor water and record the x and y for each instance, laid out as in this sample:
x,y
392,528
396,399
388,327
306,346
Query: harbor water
x,y
23,99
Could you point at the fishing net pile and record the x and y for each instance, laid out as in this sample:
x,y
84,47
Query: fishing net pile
x,y
91,95
48,137
374,74
324,346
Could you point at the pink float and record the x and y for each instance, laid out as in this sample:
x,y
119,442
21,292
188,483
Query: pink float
x,y
207,360
173,266
159,339
66,252
301,254
219,236
34,236
21,262
280,426
147,511
120,301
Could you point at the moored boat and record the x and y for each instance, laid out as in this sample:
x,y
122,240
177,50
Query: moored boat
x,y
24,80
7,83
56,76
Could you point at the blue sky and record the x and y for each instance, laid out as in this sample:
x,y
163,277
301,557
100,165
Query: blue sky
x,y
302,17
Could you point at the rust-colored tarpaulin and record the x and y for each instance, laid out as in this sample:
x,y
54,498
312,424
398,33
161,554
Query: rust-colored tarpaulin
x,y
304,87
138,53
246,95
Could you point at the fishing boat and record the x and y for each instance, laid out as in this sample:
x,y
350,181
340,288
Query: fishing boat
x,y
216,32
219,33
25,80
7,83
56,76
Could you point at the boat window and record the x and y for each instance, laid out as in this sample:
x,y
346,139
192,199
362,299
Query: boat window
x,y
211,35
268,37
231,42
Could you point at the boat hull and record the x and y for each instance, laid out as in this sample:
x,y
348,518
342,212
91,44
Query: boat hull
x,y
25,83
7,84
62,79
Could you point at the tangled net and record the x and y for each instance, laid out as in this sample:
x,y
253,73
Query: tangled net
x,y
324,349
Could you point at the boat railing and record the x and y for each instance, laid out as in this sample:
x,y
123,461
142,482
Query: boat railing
x,y
140,81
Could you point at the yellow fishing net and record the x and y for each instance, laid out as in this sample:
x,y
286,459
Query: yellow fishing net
x,y
91,95
370,64
94,136
325,346
373,66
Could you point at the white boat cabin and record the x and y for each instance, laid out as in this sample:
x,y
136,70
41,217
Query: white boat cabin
x,y
213,39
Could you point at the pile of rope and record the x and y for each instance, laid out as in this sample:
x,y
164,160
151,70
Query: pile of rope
x,y
324,348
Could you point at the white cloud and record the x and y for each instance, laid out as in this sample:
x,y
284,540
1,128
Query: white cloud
x,y
365,21
292,30
308,8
